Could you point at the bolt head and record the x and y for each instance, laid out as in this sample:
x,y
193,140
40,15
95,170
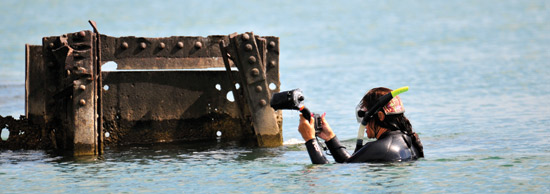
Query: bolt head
x,y
51,45
246,37
162,45
143,45
82,87
248,47
180,45
259,88
82,69
255,72
272,63
81,33
252,59
82,102
198,45
124,45
68,73
263,102
272,44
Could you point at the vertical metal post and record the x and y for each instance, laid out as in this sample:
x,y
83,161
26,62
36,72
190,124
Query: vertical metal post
x,y
250,63
81,75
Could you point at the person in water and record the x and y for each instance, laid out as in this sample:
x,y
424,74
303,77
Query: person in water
x,y
395,139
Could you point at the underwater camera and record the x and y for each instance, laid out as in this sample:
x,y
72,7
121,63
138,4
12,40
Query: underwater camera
x,y
294,100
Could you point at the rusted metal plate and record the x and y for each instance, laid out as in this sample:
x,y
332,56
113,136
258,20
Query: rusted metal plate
x,y
80,67
177,52
272,73
22,135
165,106
35,88
249,57
272,63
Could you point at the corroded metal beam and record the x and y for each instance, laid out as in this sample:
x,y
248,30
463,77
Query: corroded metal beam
x,y
74,105
249,54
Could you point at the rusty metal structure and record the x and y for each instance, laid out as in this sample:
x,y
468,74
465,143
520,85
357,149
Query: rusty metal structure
x,y
179,88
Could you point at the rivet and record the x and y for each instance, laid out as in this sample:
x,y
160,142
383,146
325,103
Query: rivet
x,y
82,102
180,45
246,37
162,45
82,87
272,63
51,45
263,102
68,73
82,33
198,45
252,59
124,45
271,44
82,69
143,45
259,88
255,72
248,47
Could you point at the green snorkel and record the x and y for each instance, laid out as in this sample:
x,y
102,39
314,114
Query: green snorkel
x,y
377,107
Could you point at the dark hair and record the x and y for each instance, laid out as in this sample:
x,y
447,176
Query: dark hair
x,y
391,122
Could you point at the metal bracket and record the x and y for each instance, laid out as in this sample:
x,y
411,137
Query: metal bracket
x,y
248,52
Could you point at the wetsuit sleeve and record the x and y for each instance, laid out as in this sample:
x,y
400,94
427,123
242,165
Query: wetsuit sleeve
x,y
315,153
338,151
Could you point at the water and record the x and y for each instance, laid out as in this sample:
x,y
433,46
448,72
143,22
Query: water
x,y
477,71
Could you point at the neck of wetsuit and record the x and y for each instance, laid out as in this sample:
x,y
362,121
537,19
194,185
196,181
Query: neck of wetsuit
x,y
389,127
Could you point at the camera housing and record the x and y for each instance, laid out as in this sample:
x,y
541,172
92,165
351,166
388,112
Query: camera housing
x,y
318,123
294,100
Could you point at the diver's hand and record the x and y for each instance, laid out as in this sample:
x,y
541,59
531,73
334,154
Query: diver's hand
x,y
306,128
327,133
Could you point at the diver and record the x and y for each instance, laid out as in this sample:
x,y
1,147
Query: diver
x,y
395,139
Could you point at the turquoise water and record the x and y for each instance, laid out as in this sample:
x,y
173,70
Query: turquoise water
x,y
477,71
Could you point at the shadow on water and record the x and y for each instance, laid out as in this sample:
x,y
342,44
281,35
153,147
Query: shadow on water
x,y
197,150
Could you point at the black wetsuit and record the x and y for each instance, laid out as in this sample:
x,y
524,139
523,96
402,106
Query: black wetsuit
x,y
392,146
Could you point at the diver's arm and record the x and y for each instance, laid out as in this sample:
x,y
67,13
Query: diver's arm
x,y
338,151
308,133
315,153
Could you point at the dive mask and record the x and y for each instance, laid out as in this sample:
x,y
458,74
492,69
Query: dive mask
x,y
395,106
360,112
